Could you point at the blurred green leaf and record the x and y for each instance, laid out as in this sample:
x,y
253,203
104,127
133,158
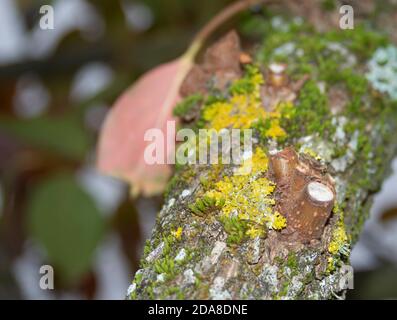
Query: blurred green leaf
x,y
65,220
60,135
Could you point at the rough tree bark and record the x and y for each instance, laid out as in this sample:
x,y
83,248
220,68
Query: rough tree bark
x,y
324,129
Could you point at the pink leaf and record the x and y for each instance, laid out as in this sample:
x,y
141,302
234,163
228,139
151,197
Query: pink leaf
x,y
145,105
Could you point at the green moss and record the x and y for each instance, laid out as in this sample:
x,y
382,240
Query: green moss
x,y
187,105
203,206
170,186
361,40
133,295
242,86
197,281
308,278
138,278
292,261
246,84
183,176
166,266
147,248
150,292
173,291
262,126
311,114
355,84
208,181
235,228
284,288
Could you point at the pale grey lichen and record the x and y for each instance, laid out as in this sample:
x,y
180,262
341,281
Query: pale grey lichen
x,y
245,291
269,276
341,188
279,23
155,253
217,251
181,255
189,277
349,59
254,251
340,134
294,288
285,49
287,271
160,277
216,290
308,258
315,143
213,258
185,193
382,73
131,289
340,164
170,203
166,207
331,281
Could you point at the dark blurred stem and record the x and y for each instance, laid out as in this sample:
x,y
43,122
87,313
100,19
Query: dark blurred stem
x,y
217,21
58,63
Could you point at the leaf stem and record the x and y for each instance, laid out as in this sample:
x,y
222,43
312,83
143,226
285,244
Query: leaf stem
x,y
215,22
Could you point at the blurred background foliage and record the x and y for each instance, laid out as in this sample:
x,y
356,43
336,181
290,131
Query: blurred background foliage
x,y
55,88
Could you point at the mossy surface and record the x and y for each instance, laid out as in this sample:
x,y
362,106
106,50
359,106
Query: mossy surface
x,y
226,229
187,105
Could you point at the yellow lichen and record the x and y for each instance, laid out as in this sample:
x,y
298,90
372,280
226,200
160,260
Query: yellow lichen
x,y
177,233
247,194
330,265
339,240
277,221
257,163
286,108
244,110
275,131
249,197
241,112
254,232
311,152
